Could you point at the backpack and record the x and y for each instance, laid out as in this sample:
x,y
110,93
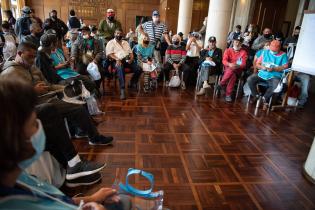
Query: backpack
x,y
25,23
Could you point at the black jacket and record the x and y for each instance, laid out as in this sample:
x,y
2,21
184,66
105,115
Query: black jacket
x,y
74,22
216,57
58,25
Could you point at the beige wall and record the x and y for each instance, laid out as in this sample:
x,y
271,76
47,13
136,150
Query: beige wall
x,y
291,12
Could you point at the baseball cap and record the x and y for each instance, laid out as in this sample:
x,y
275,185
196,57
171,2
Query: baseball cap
x,y
26,10
238,38
155,13
212,39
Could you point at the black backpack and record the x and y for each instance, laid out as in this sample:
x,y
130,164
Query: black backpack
x,y
25,25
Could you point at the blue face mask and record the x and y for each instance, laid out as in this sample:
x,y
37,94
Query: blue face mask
x,y
38,141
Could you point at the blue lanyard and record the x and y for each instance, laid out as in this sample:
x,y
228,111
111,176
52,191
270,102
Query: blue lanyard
x,y
141,193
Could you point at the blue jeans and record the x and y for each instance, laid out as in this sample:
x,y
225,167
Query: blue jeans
x,y
304,79
121,73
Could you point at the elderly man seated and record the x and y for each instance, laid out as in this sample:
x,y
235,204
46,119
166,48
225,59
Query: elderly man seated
x,y
234,61
120,53
271,64
211,63
175,59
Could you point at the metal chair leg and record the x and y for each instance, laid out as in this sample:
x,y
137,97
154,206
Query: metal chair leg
x,y
238,88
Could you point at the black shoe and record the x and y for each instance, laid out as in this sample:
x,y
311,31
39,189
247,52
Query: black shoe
x,y
79,134
83,168
84,180
101,140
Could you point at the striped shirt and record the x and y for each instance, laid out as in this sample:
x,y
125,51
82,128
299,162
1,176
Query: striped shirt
x,y
159,30
175,54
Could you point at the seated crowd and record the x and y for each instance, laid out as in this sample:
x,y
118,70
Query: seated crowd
x,y
36,68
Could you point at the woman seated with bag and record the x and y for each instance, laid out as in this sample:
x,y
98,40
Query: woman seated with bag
x,y
145,61
22,141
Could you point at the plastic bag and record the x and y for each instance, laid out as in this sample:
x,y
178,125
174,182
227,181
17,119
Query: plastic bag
x,y
174,81
94,72
92,106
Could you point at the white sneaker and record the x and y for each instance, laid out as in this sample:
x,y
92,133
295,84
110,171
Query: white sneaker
x,y
202,91
205,85
167,83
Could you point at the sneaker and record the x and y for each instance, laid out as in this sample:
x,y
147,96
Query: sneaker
x,y
202,91
167,83
183,86
228,99
122,94
79,134
84,180
83,168
101,140
206,85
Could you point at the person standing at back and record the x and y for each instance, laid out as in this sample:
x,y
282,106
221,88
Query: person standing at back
x,y
53,22
73,21
22,26
108,26
155,29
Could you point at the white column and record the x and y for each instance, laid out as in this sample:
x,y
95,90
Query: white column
x,y
218,24
184,16
242,13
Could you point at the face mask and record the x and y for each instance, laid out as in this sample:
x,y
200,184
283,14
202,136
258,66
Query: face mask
x,y
111,18
250,29
146,42
85,36
267,36
296,36
54,17
38,141
175,42
119,38
266,47
236,48
204,23
273,52
92,34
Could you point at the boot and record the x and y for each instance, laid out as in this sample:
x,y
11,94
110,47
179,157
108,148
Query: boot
x,y
202,91
122,94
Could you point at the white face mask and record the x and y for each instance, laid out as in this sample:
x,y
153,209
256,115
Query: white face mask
x,y
236,48
85,36
38,141
250,29
204,23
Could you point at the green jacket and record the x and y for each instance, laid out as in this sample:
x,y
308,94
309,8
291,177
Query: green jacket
x,y
106,31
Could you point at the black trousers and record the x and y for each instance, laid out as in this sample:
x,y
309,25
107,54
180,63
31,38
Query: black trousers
x,y
57,140
52,115
193,63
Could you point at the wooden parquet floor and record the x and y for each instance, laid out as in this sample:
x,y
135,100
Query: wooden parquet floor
x,y
204,153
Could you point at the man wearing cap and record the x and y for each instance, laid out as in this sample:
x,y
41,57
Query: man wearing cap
x,y
22,26
84,50
271,64
53,22
108,26
234,61
210,63
155,29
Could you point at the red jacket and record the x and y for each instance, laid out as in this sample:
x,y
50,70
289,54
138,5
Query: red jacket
x,y
231,56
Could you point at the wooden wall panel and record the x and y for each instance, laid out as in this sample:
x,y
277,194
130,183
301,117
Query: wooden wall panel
x,y
92,11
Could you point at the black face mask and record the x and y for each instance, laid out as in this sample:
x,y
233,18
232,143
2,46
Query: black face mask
x,y
175,42
111,18
54,17
119,38
146,42
296,36
267,36
38,34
